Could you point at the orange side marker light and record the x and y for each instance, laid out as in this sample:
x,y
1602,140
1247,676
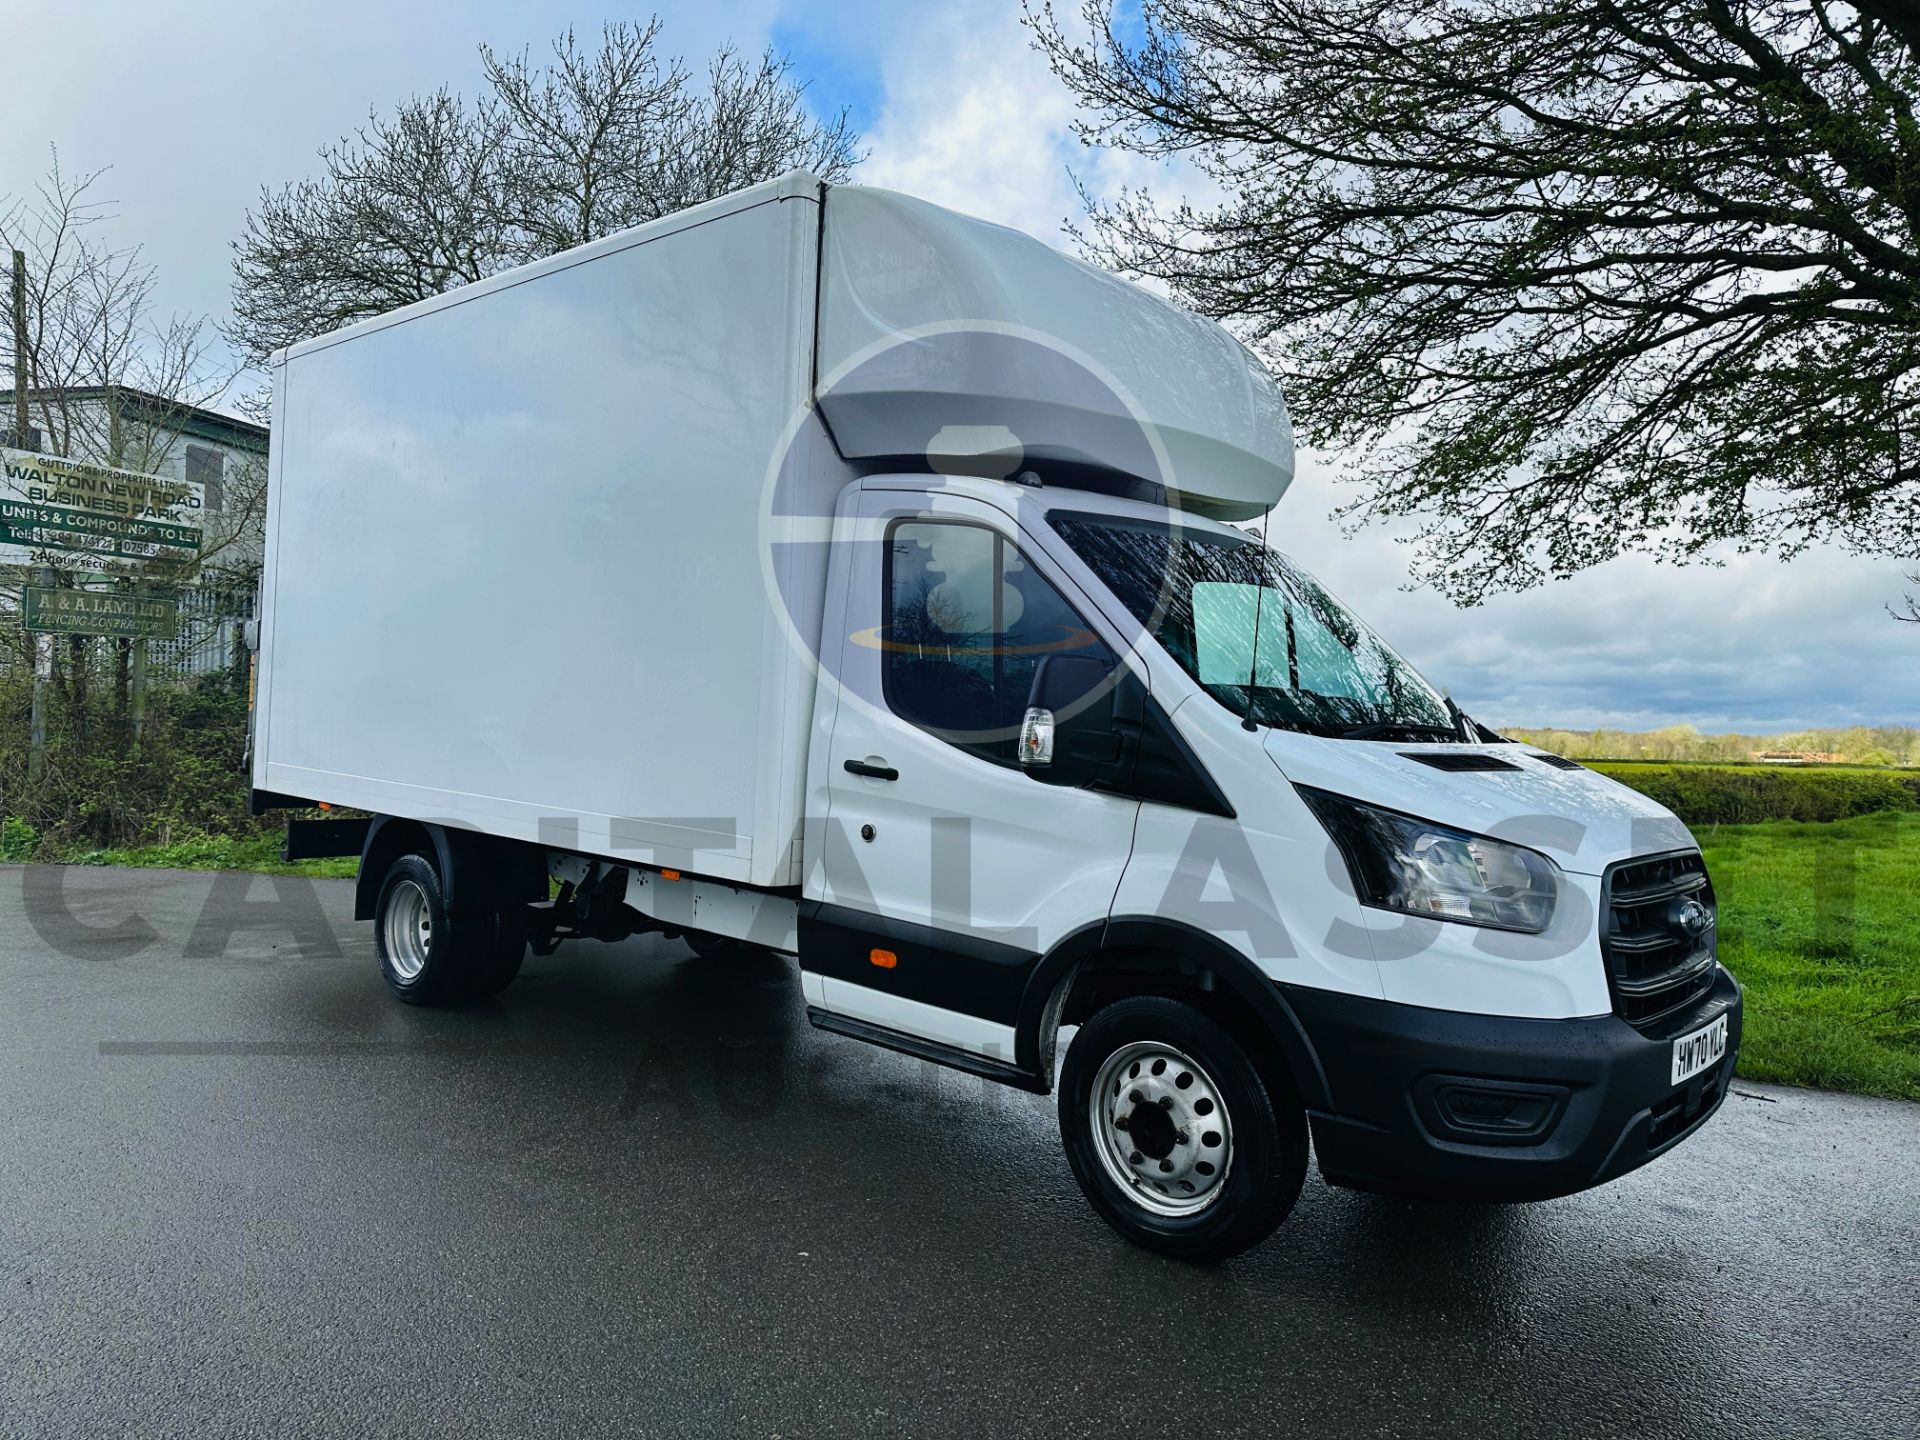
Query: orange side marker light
x,y
885,959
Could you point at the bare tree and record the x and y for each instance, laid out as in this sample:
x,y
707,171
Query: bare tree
x,y
110,381
92,326
1563,278
552,155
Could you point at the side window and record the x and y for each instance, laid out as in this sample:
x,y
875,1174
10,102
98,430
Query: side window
x,y
943,612
208,467
968,623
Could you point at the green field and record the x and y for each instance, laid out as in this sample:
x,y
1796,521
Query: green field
x,y
1821,923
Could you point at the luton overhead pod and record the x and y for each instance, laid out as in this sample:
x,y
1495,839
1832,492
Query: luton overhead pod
x,y
936,324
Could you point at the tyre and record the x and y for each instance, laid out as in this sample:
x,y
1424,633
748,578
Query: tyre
x,y
431,958
499,951
1178,1138
709,947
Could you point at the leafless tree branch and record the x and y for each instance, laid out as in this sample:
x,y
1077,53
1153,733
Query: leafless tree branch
x,y
110,381
1560,278
588,141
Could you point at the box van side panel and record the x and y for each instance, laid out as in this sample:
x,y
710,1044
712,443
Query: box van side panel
x,y
531,525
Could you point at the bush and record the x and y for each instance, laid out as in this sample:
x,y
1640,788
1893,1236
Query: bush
x,y
1748,794
18,840
103,789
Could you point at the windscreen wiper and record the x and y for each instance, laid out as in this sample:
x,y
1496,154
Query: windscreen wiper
x,y
1378,728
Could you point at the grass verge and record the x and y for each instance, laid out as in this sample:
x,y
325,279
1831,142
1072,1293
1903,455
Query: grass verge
x,y
1818,921
259,853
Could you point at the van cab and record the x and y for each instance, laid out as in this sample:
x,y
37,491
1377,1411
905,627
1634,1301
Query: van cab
x,y
1095,763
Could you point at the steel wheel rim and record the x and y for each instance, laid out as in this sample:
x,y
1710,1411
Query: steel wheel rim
x,y
1167,1145
409,929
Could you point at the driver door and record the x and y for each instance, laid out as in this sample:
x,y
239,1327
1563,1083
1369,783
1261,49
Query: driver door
x,y
946,872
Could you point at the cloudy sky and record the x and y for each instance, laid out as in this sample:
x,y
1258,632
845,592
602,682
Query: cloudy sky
x,y
196,104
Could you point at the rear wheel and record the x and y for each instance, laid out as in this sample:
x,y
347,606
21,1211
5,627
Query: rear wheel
x,y
709,947
1178,1138
431,957
499,950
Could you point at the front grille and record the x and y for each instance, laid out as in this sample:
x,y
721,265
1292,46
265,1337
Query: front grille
x,y
1655,966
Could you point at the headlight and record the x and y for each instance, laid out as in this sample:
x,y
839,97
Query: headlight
x,y
1415,866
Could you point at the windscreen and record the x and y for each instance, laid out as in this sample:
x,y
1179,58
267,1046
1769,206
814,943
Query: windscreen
x,y
1259,633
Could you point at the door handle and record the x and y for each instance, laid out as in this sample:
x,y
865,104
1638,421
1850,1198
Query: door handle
x,y
875,772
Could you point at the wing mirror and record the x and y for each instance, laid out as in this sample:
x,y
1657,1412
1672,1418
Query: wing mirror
x,y
1067,736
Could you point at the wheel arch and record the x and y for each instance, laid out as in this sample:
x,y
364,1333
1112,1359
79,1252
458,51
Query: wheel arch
x,y
476,871
1145,955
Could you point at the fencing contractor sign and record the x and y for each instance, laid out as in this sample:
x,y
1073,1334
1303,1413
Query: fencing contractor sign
x,y
52,611
53,504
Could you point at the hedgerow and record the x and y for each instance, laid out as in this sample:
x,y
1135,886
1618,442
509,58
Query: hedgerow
x,y
1748,794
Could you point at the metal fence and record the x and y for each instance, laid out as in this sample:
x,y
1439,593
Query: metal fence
x,y
208,637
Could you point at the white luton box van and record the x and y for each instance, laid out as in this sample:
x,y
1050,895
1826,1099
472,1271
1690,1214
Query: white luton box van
x,y
823,571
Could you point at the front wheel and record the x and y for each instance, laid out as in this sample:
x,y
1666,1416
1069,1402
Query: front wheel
x,y
1178,1139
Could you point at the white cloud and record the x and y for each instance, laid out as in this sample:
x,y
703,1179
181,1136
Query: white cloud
x,y
973,120
1751,645
195,107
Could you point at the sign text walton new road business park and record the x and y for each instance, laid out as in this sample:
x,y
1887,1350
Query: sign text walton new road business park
x,y
51,504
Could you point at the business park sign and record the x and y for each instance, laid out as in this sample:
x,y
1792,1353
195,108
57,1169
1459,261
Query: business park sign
x,y
47,503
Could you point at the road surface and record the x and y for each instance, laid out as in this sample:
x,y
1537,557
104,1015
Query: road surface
x,y
243,1192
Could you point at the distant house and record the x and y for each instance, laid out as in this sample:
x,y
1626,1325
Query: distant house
x,y
1797,757
225,454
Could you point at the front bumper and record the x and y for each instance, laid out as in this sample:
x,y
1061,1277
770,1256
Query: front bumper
x,y
1437,1104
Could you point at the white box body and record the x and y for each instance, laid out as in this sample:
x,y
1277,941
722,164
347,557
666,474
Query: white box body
x,y
514,574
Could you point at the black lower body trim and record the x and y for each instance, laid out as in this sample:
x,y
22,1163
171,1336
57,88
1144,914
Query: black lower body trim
x,y
932,1050
952,969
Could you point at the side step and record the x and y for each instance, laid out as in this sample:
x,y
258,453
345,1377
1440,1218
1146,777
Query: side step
x,y
939,1054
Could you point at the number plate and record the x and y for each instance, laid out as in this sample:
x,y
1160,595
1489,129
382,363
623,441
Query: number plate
x,y
1699,1050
